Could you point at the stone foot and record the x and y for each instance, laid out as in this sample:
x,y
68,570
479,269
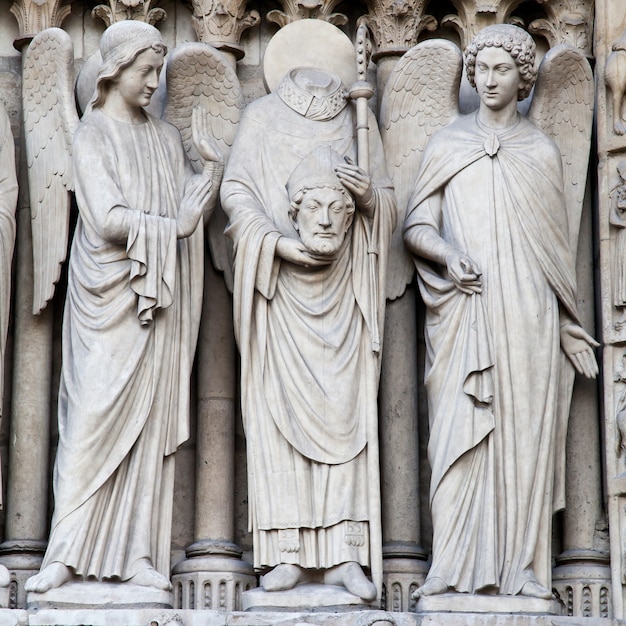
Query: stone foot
x,y
282,577
50,577
533,589
351,576
149,577
432,587
5,576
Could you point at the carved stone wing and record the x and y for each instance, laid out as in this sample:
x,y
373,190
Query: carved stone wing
x,y
421,96
198,74
562,107
50,120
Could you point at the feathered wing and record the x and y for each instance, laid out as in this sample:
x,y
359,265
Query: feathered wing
x,y
562,107
421,96
50,120
198,74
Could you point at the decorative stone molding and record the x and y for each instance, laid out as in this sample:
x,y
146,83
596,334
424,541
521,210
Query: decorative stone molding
x,y
33,16
302,9
582,583
221,23
212,577
120,10
396,24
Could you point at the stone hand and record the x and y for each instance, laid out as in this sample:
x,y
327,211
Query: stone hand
x,y
206,146
294,251
358,182
464,272
578,345
194,203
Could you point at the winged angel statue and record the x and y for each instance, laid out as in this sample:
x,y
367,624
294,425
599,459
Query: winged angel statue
x,y
493,211
134,284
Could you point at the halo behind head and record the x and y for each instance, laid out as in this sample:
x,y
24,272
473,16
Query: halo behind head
x,y
309,43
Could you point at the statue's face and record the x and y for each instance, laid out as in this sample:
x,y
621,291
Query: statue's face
x,y
323,220
137,82
497,78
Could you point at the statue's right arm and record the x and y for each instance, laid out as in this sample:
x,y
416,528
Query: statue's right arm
x,y
422,238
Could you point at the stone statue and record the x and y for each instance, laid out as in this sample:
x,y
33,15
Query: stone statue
x,y
130,324
8,202
311,231
615,77
617,219
493,228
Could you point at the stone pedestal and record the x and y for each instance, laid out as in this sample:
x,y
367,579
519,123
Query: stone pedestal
x,y
213,576
486,604
311,597
403,572
98,595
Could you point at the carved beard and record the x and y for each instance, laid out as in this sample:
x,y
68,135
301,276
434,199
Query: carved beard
x,y
322,247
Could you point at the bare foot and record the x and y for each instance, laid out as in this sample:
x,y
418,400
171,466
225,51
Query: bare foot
x,y
5,576
351,576
533,589
282,577
149,577
50,577
432,587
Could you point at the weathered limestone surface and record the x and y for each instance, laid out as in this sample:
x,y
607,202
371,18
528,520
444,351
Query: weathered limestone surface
x,y
211,544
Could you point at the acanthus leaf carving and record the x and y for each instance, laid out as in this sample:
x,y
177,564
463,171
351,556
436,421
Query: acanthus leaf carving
x,y
222,22
304,9
120,10
33,16
396,24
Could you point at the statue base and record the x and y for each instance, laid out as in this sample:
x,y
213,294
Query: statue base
x,y
477,603
304,598
100,595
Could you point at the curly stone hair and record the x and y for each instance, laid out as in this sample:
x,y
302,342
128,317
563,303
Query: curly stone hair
x,y
517,42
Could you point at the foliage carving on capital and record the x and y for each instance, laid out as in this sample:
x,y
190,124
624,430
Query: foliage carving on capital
x,y
396,24
33,16
303,9
568,21
221,23
119,10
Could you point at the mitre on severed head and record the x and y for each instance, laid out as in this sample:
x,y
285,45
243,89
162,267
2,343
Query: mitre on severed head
x,y
317,169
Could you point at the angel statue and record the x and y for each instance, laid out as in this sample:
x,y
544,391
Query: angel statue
x,y
131,316
492,222
311,230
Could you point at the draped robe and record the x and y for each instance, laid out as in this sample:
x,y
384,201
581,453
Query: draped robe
x,y
309,344
8,202
496,379
129,333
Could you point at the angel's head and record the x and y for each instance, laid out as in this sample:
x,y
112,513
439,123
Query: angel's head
x,y
120,46
513,40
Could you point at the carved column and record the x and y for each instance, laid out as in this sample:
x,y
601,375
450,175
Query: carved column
x,y
119,10
213,576
611,83
305,9
395,27
27,480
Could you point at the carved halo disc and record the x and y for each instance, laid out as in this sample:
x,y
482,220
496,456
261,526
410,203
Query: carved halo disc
x,y
309,43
